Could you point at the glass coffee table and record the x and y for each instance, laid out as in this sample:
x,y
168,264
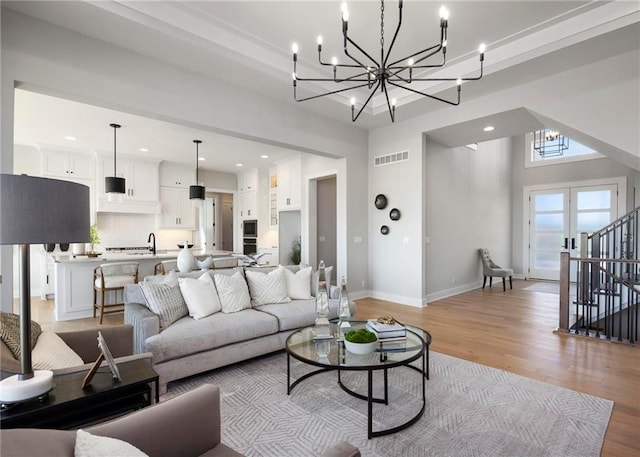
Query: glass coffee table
x,y
330,354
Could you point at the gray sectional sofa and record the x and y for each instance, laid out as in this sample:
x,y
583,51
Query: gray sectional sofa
x,y
189,346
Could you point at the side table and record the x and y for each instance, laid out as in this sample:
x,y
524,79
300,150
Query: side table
x,y
70,406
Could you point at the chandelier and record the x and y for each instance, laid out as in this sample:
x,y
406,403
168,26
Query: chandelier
x,y
363,70
549,143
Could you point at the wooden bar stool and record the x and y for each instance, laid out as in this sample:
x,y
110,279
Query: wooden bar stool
x,y
112,277
164,267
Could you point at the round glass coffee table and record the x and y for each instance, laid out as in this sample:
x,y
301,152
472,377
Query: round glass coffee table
x,y
312,346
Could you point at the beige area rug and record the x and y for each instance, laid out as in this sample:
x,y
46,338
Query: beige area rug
x,y
472,410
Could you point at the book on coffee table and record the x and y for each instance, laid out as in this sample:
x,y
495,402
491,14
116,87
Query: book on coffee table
x,y
385,331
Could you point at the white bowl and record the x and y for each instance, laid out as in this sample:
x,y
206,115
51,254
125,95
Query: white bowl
x,y
360,348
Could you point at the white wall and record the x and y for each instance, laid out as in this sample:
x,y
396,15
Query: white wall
x,y
41,56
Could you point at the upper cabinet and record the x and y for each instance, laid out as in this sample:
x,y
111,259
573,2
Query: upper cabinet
x,y
172,175
289,183
141,181
248,180
64,164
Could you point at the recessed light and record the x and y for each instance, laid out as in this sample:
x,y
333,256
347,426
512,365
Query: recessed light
x,y
489,128
239,165
70,138
201,158
264,156
144,150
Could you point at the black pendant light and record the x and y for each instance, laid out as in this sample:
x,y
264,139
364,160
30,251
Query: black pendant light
x,y
196,192
113,185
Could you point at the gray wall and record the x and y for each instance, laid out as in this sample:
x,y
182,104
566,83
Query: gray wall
x,y
468,206
326,221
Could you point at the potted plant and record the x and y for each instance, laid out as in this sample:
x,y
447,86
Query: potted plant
x,y
295,256
360,341
94,239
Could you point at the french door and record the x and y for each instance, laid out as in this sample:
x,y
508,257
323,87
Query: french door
x,y
558,216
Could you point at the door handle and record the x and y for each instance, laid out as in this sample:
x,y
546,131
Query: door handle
x,y
566,243
573,243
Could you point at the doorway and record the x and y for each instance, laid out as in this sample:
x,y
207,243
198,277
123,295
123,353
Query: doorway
x,y
557,216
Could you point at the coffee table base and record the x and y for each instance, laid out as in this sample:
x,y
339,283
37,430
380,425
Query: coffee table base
x,y
369,397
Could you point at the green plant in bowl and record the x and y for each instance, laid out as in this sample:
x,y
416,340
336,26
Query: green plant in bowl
x,y
360,341
361,335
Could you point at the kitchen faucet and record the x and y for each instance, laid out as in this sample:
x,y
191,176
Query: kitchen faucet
x,y
153,246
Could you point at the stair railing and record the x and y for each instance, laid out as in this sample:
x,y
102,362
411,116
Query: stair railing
x,y
605,292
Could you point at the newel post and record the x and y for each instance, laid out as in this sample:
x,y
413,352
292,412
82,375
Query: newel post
x,y
563,322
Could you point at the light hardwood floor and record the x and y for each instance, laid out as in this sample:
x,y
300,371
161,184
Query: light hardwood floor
x,y
512,331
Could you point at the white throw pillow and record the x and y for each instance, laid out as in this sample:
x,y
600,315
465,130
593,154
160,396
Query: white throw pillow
x,y
266,288
233,292
88,445
52,353
200,295
298,284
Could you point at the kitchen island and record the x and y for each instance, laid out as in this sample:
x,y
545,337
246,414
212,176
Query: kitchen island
x,y
74,277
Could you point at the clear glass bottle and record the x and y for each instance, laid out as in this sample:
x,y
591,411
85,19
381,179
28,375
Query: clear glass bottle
x,y
322,298
344,311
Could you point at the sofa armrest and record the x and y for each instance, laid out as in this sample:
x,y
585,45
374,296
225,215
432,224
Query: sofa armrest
x,y
341,449
187,425
145,324
85,343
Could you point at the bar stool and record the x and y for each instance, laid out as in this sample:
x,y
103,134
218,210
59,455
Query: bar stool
x,y
164,267
112,277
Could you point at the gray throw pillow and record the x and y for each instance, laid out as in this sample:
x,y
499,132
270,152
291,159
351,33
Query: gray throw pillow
x,y
166,301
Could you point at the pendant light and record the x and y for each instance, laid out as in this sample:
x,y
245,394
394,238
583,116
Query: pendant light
x,y
114,186
196,193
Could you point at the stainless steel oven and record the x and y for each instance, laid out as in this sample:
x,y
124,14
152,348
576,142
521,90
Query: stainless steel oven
x,y
250,228
249,246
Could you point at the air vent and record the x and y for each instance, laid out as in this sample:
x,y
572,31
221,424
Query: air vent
x,y
389,159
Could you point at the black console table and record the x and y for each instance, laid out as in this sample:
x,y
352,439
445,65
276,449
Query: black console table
x,y
70,406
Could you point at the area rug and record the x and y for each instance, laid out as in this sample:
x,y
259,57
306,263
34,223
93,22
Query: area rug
x,y
472,410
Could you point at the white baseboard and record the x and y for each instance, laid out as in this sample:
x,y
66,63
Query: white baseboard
x,y
451,292
409,301
359,294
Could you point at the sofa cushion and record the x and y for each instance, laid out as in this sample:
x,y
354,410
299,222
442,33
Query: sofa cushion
x,y
88,445
267,288
298,283
233,292
10,332
188,336
166,301
52,353
296,314
200,295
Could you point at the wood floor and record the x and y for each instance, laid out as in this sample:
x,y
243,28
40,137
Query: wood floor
x,y
512,331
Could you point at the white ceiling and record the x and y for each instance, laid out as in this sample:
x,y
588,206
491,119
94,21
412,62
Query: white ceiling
x,y
251,41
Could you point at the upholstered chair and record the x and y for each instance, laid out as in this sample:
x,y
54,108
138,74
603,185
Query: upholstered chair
x,y
491,269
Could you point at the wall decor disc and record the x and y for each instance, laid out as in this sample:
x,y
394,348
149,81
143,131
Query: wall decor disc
x,y
394,214
384,230
381,201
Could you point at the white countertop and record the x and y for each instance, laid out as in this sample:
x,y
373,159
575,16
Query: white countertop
x,y
123,256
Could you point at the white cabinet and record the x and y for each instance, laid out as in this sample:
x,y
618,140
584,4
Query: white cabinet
x,y
176,176
59,163
141,185
48,270
289,183
273,209
248,181
176,209
249,205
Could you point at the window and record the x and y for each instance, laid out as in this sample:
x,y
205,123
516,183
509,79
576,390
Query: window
x,y
547,147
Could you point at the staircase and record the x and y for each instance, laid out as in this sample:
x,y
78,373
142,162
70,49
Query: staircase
x,y
600,289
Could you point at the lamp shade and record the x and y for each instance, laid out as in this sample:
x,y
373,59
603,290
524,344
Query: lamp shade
x,y
42,210
196,192
114,185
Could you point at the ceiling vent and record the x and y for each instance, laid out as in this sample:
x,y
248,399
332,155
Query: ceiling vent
x,y
392,158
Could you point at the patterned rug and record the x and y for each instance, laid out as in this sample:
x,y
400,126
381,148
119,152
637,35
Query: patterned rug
x,y
472,410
